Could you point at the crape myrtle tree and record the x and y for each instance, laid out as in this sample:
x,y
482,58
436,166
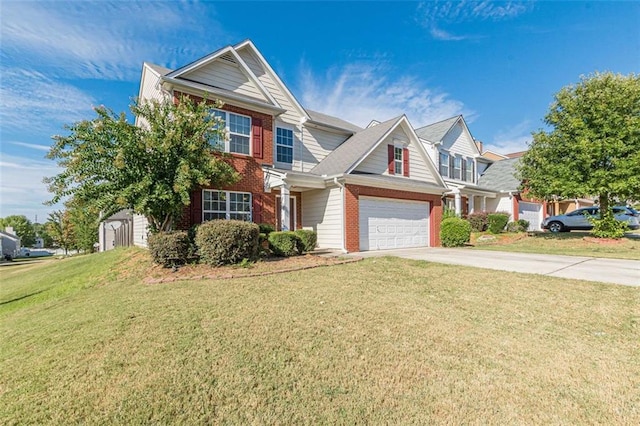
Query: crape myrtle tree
x,y
592,147
110,164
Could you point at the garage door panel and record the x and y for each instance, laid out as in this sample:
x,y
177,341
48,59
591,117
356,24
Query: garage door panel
x,y
531,212
387,224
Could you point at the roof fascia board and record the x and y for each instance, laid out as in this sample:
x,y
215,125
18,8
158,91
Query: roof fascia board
x,y
265,64
199,62
324,126
401,184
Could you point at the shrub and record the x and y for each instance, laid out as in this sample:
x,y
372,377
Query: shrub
x,y
224,242
455,232
479,221
518,226
285,243
266,228
608,227
497,222
308,239
170,249
448,213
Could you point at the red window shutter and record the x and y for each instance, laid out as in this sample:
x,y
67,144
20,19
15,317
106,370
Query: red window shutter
x,y
257,208
257,137
196,207
405,161
392,168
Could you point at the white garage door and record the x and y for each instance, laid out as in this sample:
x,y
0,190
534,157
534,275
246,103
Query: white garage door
x,y
388,224
531,212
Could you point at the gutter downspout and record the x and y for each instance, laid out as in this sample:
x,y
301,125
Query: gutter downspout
x,y
344,223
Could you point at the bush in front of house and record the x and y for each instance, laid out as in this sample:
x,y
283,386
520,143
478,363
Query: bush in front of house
x,y
497,222
285,243
520,225
308,238
170,249
479,221
227,242
455,232
266,228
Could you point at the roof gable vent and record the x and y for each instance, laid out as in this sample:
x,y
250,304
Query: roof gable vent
x,y
228,57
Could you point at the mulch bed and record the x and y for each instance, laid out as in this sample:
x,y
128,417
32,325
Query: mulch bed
x,y
157,274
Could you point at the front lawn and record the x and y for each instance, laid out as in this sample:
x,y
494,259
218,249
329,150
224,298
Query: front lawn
x,y
381,341
566,243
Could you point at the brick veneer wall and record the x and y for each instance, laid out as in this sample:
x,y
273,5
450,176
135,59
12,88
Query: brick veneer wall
x,y
352,211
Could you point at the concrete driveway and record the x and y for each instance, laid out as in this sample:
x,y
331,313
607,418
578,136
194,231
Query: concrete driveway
x,y
617,271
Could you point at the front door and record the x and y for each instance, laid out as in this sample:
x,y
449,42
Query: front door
x,y
292,214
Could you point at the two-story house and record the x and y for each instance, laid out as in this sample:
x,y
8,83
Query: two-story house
x,y
360,189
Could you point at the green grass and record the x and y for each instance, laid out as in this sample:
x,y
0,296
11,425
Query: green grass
x,y
382,341
566,243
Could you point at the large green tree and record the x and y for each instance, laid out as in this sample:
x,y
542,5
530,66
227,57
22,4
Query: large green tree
x,y
60,228
22,227
110,164
592,146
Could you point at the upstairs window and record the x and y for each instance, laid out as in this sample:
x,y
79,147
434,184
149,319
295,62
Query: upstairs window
x,y
397,160
457,168
470,171
238,133
444,164
284,145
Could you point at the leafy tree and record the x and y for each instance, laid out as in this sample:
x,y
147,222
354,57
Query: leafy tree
x,y
22,227
110,164
593,147
60,229
84,221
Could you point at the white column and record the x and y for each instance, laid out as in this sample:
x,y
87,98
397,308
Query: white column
x,y
458,201
483,204
285,208
471,204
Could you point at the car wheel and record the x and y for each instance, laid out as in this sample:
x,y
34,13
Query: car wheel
x,y
555,227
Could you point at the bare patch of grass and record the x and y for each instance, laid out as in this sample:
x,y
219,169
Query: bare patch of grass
x,y
384,340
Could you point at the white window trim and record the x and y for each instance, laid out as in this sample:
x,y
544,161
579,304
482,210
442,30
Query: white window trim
x,y
398,170
457,157
472,171
447,175
227,204
292,212
293,145
228,133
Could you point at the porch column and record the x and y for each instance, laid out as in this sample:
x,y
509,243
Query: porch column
x,y
471,204
458,201
483,204
285,208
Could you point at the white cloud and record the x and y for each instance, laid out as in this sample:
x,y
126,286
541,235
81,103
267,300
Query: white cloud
x,y
35,146
361,92
31,100
21,189
512,139
103,40
434,15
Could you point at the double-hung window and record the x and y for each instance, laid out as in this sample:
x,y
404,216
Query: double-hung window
x,y
457,168
284,145
397,160
470,170
226,205
237,129
444,164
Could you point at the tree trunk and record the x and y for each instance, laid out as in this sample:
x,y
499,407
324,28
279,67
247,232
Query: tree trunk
x,y
605,212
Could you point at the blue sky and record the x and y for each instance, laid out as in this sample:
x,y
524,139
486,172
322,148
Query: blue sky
x,y
498,63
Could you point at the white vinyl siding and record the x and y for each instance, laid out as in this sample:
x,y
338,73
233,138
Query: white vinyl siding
x,y
227,76
140,230
322,212
317,145
501,204
458,142
226,205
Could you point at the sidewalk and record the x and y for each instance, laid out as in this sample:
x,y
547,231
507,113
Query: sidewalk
x,y
616,271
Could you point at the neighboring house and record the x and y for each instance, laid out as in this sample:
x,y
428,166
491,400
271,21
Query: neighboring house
x,y
116,231
501,178
459,162
360,189
9,243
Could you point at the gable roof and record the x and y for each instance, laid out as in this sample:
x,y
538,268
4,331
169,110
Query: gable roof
x,y
436,132
501,176
328,120
161,71
353,149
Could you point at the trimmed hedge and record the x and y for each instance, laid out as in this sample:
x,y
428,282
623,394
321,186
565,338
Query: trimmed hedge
x,y
308,239
227,242
519,226
266,228
455,232
285,243
170,249
479,221
497,222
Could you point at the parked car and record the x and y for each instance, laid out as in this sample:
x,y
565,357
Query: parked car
x,y
579,219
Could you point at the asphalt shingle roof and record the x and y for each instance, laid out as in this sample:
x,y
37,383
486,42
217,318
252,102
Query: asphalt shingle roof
x,y
500,176
329,120
351,150
436,131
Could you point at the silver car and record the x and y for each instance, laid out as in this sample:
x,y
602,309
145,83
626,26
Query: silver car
x,y
579,219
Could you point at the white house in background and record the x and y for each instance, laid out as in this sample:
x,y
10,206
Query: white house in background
x,y
9,243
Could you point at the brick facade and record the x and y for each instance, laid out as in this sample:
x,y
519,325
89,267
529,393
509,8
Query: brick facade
x,y
352,211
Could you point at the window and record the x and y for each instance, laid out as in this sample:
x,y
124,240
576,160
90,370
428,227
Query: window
x,y
444,164
457,168
226,205
397,160
470,170
238,129
284,145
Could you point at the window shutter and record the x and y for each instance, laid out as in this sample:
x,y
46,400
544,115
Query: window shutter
x,y
257,208
405,161
451,166
196,207
391,158
257,137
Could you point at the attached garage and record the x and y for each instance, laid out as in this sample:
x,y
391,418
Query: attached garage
x,y
387,223
531,212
